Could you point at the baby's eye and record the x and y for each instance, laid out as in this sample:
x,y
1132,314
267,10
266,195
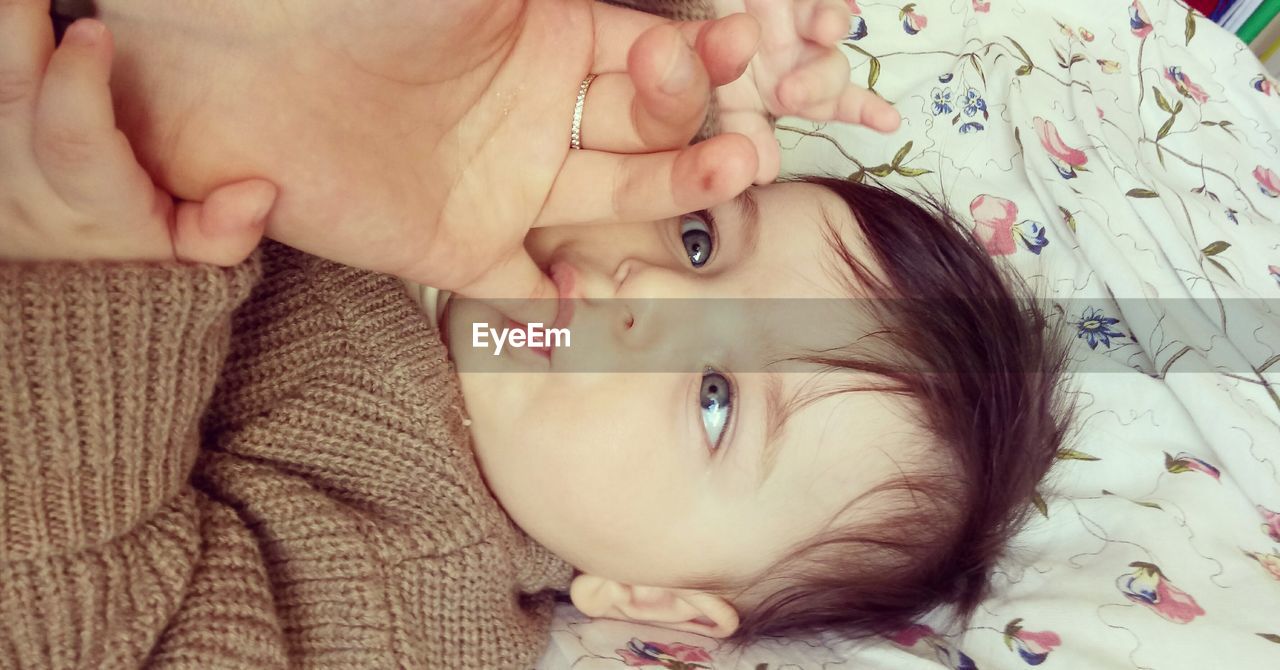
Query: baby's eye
x,y
695,233
716,401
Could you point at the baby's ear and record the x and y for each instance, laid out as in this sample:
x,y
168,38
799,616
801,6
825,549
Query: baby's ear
x,y
682,609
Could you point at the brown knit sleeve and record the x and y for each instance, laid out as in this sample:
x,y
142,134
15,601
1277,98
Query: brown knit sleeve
x,y
105,370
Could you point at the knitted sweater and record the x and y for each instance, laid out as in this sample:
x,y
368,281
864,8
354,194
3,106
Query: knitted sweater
x,y
300,494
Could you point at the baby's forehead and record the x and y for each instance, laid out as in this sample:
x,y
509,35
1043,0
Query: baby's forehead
x,y
841,437
803,233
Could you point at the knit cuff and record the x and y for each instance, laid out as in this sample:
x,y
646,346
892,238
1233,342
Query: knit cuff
x,y
104,372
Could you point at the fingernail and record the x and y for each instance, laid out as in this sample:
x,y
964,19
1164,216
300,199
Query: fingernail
x,y
259,218
84,32
680,73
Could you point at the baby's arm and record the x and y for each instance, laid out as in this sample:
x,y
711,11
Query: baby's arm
x,y
798,71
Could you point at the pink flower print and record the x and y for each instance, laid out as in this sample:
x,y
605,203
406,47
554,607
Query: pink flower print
x,y
1269,562
909,636
1065,158
1148,586
1185,462
1086,35
1268,182
675,656
1262,84
1032,647
1185,86
981,6
912,22
1271,520
1275,274
993,219
1139,22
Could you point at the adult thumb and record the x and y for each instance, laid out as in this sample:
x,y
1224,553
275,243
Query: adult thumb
x,y
225,228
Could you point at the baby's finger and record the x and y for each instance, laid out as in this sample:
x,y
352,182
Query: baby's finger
x,y
647,187
225,228
725,45
862,107
824,22
77,145
26,38
778,20
659,106
815,85
518,288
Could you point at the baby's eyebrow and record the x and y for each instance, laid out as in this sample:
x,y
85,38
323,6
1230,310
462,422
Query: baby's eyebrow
x,y
749,213
776,413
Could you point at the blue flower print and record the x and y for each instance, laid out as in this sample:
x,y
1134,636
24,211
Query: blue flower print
x,y
1095,327
942,101
1033,236
960,661
946,78
973,103
859,30
971,127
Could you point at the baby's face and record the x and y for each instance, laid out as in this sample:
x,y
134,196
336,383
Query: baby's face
x,y
664,477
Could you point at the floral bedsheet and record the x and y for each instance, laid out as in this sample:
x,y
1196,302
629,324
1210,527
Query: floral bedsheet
x,y
1123,157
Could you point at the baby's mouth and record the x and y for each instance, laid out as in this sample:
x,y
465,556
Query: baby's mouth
x,y
565,277
536,333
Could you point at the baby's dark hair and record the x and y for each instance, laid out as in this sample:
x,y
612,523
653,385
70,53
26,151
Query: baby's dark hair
x,y
966,345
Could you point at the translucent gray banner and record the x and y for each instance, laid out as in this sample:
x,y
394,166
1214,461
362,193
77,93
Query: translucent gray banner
x,y
911,335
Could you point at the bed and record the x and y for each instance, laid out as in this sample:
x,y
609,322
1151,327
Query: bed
x,y
1123,157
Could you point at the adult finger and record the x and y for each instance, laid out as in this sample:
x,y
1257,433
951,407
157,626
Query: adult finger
x,y
517,288
225,228
757,128
26,39
77,145
724,45
659,105
646,187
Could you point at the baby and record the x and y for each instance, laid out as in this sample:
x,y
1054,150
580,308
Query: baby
x,y
719,474
718,471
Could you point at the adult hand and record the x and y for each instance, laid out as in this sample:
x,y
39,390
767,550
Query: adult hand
x,y
425,139
70,188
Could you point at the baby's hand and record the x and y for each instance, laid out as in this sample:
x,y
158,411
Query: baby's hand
x,y
798,71
70,187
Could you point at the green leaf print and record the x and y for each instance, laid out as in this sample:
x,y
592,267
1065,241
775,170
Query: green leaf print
x,y
1142,193
1161,101
902,153
1215,248
1026,59
1040,504
1073,455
